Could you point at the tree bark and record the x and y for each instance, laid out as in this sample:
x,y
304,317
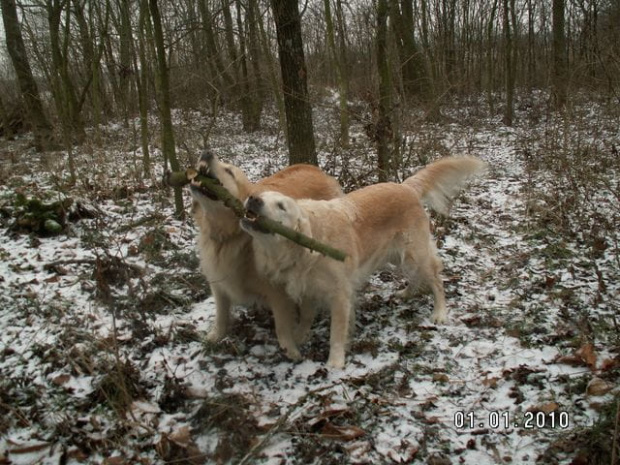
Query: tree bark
x,y
559,79
43,135
168,146
383,123
294,82
63,87
340,65
142,84
509,62
415,81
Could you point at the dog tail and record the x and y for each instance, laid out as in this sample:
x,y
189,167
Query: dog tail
x,y
438,183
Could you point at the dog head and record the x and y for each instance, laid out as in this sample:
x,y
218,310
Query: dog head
x,y
206,209
277,207
231,177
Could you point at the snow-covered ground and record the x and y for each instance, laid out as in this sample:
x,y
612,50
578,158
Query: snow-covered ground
x,y
101,352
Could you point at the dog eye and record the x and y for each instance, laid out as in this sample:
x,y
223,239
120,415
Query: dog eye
x,y
229,171
281,206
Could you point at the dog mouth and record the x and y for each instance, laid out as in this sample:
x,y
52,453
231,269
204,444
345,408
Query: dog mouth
x,y
250,222
197,189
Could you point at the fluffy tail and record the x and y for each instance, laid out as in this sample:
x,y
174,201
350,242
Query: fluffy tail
x,y
438,183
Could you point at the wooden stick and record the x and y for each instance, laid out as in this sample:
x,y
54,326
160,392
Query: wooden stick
x,y
215,188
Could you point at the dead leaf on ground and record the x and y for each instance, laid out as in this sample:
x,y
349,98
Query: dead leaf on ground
x,y
491,382
61,379
342,433
587,354
584,356
609,364
598,387
116,460
547,408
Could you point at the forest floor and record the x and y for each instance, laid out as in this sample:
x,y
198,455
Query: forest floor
x,y
102,358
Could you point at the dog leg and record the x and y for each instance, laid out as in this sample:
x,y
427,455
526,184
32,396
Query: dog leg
x,y
307,313
284,316
422,268
339,331
433,279
222,316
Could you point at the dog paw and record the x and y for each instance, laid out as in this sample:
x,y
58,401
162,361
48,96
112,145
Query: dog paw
x,y
293,354
336,362
215,335
438,318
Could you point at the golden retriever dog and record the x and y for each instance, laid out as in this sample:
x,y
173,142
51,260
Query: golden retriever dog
x,y
380,224
226,255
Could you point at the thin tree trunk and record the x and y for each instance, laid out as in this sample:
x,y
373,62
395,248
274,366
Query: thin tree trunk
x,y
64,90
43,136
411,62
384,125
168,146
142,83
343,87
125,69
559,78
294,82
508,64
273,78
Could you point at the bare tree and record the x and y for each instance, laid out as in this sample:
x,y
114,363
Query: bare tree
x,y
559,79
509,61
383,129
167,132
339,60
294,82
42,129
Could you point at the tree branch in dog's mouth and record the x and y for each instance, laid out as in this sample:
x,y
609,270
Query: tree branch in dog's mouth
x,y
253,220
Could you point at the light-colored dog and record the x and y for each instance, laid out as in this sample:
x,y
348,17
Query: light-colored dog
x,y
226,255
376,225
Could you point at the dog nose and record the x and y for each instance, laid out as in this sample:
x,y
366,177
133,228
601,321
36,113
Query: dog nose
x,y
254,203
206,156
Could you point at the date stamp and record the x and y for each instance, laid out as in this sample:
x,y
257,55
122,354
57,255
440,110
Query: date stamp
x,y
506,420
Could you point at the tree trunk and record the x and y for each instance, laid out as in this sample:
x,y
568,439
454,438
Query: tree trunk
x,y
43,136
415,81
168,146
294,82
339,63
251,82
63,87
273,77
508,63
125,70
224,81
383,123
559,78
142,83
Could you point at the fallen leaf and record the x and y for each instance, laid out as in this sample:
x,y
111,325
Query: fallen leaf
x,y
490,382
545,408
116,460
60,379
26,448
572,360
343,433
587,354
609,364
181,436
598,387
